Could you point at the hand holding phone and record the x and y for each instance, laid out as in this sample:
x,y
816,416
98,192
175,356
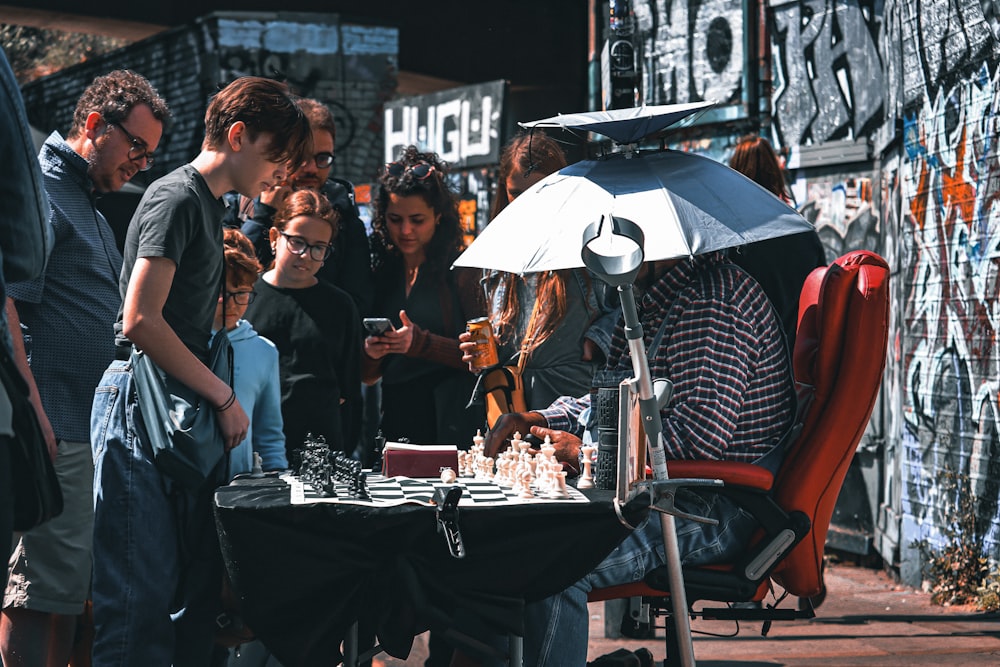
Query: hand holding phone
x,y
376,326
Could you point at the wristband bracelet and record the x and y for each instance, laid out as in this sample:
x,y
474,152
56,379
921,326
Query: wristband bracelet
x,y
228,404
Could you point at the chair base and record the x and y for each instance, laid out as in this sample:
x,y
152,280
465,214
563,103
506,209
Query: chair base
x,y
657,607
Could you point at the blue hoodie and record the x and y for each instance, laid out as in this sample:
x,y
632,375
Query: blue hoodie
x,y
258,391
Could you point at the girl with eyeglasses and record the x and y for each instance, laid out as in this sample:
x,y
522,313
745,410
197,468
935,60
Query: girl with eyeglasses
x,y
315,326
255,374
415,238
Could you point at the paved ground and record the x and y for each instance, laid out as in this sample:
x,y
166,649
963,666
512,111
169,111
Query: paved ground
x,y
866,619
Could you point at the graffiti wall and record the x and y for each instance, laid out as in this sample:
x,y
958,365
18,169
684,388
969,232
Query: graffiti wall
x,y
918,80
913,87
692,50
828,81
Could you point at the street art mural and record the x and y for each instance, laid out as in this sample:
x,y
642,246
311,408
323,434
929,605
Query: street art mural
x,y
828,81
692,50
918,79
950,314
842,210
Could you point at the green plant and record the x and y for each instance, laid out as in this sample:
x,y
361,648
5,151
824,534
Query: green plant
x,y
957,571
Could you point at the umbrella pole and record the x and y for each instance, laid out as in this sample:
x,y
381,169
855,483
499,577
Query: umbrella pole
x,y
649,412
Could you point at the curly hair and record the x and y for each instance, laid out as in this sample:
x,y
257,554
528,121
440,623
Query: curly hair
x,y
242,266
447,242
307,203
264,106
114,95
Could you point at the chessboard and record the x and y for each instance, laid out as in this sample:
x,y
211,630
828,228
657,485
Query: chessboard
x,y
389,491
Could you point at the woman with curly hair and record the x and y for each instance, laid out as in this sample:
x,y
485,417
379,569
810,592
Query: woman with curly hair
x,y
415,238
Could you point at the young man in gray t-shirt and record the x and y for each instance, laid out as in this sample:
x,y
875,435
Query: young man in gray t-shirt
x,y
147,611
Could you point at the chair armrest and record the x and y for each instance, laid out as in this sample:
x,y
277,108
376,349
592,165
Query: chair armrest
x,y
730,472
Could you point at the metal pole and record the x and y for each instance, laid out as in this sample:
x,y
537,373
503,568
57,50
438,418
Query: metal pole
x,y
649,413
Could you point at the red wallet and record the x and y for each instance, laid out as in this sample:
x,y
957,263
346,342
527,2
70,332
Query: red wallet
x,y
406,460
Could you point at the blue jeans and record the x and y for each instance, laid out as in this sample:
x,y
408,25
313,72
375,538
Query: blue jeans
x,y
556,627
141,614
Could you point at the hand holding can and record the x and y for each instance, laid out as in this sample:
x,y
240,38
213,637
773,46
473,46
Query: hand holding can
x,y
481,332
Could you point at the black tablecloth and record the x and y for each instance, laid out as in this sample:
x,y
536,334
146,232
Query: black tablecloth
x,y
305,573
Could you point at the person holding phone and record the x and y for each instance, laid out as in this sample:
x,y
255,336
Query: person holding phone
x,y
376,326
315,326
416,237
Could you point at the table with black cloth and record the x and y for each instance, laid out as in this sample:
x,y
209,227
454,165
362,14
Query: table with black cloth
x,y
304,574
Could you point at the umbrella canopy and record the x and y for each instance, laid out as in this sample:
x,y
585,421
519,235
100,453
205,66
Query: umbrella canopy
x,y
684,203
626,126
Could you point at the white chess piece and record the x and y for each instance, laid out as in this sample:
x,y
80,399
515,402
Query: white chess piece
x,y
548,449
587,477
448,475
526,491
560,490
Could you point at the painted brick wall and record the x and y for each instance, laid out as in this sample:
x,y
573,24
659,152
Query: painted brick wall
x,y
917,82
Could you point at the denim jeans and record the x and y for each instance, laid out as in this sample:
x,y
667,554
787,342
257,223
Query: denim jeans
x,y
556,627
141,613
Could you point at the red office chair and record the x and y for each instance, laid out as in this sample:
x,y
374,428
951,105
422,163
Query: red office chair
x,y
838,361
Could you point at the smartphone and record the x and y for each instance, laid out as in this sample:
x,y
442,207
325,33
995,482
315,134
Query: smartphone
x,y
376,326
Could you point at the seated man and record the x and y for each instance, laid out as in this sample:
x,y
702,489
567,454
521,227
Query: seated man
x,y
710,329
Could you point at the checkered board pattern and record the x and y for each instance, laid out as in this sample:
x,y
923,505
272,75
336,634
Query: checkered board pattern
x,y
387,491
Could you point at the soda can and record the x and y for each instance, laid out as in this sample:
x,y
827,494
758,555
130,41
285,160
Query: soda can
x,y
486,343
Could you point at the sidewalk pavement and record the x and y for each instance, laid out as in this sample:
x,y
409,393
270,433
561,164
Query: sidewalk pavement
x,y
866,619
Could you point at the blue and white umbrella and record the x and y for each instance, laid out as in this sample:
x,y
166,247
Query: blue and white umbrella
x,y
685,204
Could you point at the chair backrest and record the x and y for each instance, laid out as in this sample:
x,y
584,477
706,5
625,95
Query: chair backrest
x,y
839,355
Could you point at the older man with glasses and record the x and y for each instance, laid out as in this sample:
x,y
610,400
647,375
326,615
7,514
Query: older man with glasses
x,y
68,313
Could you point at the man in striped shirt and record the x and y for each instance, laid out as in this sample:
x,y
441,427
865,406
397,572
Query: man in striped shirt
x,y
708,328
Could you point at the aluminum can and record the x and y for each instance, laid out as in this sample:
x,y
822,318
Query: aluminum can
x,y
486,343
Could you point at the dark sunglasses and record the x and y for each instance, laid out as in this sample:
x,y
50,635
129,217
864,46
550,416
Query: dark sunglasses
x,y
138,151
420,170
241,298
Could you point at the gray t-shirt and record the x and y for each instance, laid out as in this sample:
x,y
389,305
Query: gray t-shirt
x,y
179,219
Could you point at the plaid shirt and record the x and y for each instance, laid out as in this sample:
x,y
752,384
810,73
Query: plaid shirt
x,y
724,352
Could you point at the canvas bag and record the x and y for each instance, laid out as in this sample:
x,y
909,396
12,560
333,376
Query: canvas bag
x,y
36,492
183,431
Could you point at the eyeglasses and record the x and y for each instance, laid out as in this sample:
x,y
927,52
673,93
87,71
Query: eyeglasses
x,y
240,298
420,170
323,160
139,150
298,246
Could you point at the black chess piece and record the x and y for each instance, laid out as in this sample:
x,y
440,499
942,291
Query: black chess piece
x,y
379,444
363,493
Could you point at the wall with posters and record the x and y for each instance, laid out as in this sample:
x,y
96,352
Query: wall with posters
x,y
464,126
